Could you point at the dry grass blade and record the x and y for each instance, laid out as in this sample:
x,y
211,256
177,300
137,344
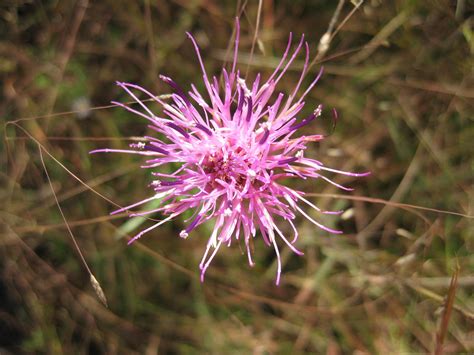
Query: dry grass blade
x,y
391,203
447,310
40,149
380,38
95,284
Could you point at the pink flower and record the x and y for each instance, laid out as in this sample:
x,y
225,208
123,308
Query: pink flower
x,y
234,148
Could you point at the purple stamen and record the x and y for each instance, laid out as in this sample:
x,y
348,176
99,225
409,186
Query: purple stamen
x,y
178,128
249,109
204,129
307,120
154,148
266,133
176,88
287,161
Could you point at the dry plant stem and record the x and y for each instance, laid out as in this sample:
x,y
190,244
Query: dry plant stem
x,y
426,139
325,40
82,139
390,203
444,88
343,22
255,36
70,113
100,219
63,166
244,295
73,175
82,222
328,36
95,284
447,310
241,294
106,218
86,301
164,260
99,180
239,10
380,38
398,195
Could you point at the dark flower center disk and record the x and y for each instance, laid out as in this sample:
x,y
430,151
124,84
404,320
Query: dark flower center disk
x,y
225,168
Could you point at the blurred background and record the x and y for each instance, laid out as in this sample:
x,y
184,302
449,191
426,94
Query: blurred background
x,y
400,278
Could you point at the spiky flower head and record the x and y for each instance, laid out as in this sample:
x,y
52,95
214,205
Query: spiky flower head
x,y
233,147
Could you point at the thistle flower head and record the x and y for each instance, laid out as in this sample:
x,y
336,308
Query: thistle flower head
x,y
234,147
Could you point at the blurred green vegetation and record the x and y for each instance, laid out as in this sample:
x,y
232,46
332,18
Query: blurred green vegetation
x,y
401,77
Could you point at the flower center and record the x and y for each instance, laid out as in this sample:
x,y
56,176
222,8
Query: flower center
x,y
218,166
226,166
